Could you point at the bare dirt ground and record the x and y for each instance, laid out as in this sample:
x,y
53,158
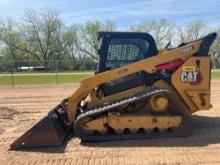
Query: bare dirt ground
x,y
22,106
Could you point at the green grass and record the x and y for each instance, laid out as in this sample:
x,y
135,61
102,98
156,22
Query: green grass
x,y
44,72
43,79
216,75
61,78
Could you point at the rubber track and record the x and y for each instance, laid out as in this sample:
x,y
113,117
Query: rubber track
x,y
111,107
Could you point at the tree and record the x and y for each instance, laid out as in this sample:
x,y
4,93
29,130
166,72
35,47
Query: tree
x,y
87,42
193,30
42,31
10,35
162,30
37,36
215,51
70,37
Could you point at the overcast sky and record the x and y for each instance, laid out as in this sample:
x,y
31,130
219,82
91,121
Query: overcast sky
x,y
123,12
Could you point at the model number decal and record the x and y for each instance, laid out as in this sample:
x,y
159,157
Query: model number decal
x,y
189,77
187,50
122,71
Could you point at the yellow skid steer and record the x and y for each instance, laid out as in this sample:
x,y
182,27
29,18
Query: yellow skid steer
x,y
137,92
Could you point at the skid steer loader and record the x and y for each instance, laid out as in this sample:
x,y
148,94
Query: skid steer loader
x,y
137,92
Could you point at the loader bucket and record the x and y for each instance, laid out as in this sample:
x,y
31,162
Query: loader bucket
x,y
50,131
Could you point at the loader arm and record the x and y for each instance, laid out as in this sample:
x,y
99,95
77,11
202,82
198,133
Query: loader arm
x,y
147,65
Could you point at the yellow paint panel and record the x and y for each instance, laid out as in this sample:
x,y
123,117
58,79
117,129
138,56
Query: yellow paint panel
x,y
200,98
121,122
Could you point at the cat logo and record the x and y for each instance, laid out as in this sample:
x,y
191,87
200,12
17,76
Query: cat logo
x,y
189,77
190,74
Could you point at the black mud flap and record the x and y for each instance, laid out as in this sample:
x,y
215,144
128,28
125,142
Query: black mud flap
x,y
50,131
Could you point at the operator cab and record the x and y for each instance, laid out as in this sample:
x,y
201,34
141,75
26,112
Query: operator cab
x,y
122,48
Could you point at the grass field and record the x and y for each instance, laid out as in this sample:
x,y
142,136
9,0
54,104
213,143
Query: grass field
x,y
48,78
43,78
216,74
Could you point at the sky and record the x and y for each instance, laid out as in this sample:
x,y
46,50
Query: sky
x,y
122,12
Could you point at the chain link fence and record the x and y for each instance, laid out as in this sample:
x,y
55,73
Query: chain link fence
x,y
36,72
52,72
